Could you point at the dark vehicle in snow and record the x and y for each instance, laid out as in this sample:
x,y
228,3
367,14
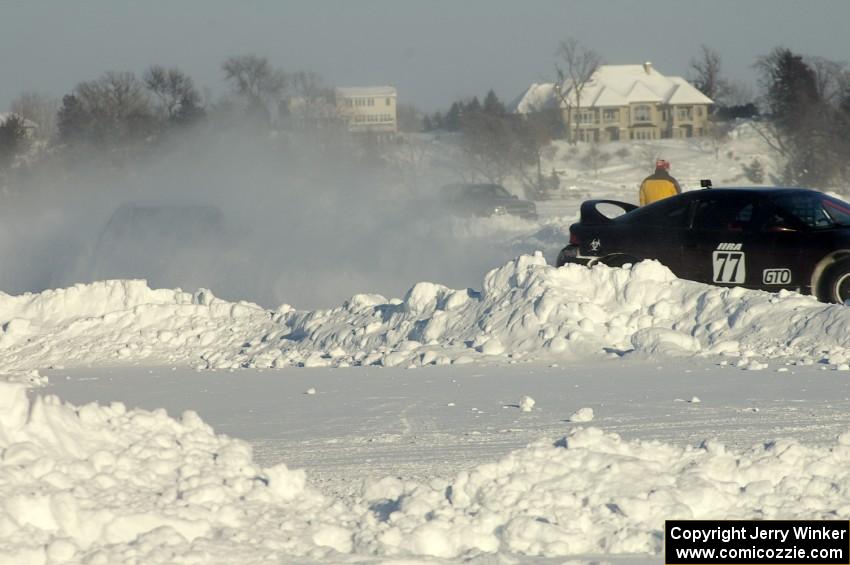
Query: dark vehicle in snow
x,y
485,200
759,238
172,245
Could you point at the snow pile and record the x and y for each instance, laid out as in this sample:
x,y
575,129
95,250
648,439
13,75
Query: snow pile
x,y
594,493
120,486
111,321
582,415
101,484
526,404
525,307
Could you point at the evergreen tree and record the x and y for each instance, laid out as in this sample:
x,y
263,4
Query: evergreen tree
x,y
452,120
791,88
754,171
437,121
73,120
492,104
13,139
804,122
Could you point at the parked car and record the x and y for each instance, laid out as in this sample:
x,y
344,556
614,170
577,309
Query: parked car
x,y
486,200
171,245
760,238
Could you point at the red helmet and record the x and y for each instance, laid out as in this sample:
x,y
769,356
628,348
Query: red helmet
x,y
662,164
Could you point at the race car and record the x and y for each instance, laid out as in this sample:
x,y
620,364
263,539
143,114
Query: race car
x,y
759,238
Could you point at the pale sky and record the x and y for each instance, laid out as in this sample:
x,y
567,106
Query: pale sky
x,y
432,51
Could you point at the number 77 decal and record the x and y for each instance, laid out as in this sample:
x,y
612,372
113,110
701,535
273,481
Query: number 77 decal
x,y
728,266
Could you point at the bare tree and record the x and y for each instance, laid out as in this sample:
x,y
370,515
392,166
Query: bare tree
x,y
831,78
496,147
487,145
717,135
311,102
595,158
705,74
308,84
40,110
254,79
646,155
738,93
117,95
174,90
109,111
409,118
575,68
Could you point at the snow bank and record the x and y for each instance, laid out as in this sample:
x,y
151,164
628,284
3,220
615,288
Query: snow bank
x,y
119,486
594,493
525,307
114,321
103,484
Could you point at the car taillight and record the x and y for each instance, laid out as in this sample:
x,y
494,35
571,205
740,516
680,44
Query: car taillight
x,y
573,239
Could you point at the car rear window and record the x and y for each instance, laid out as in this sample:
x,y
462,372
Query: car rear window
x,y
817,211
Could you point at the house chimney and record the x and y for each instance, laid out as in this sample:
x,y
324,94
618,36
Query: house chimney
x,y
647,67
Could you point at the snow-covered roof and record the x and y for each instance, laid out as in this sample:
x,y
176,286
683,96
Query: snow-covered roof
x,y
358,91
615,85
536,97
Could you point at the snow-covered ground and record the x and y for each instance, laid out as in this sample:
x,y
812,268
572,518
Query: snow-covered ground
x,y
542,415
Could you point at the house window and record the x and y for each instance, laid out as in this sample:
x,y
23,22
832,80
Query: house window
x,y
699,111
683,112
612,115
644,134
585,117
389,102
643,114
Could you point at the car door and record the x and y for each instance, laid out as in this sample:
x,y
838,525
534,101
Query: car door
x,y
657,232
718,246
781,243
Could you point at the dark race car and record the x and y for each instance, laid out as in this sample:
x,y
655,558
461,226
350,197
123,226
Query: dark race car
x,y
761,238
467,199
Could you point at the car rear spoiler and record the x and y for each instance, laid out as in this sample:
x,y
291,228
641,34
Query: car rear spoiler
x,y
590,215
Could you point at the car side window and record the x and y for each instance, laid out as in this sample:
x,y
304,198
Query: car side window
x,y
725,214
672,215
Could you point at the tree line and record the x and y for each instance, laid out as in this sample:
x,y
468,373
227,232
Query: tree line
x,y
121,113
802,110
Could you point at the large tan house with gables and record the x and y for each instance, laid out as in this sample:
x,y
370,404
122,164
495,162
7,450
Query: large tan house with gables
x,y
624,102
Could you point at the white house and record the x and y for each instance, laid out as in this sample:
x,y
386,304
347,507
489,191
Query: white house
x,y
624,102
368,108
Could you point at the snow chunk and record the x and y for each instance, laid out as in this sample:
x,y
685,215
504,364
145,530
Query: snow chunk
x,y
526,404
582,415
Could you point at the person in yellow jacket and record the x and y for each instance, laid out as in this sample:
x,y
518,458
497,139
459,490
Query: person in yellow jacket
x,y
658,185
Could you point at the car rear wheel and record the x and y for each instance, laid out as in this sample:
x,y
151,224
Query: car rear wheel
x,y
835,285
567,255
